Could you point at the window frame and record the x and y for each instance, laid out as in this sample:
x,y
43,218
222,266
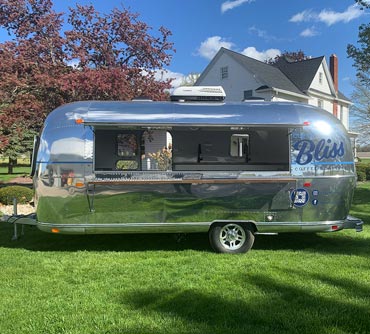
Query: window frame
x,y
224,71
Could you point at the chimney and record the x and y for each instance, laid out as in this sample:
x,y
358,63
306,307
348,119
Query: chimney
x,y
334,70
334,75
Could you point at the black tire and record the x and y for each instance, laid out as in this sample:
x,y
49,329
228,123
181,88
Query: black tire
x,y
232,238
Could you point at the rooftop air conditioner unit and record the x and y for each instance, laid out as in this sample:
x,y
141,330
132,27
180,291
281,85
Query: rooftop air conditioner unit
x,y
198,94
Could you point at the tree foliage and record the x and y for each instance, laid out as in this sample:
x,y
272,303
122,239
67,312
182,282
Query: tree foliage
x,y
291,56
190,79
99,56
361,109
361,53
363,3
361,95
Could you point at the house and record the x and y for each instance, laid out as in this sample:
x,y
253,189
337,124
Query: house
x,y
308,81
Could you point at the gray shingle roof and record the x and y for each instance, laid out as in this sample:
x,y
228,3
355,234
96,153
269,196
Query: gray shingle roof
x,y
301,72
295,77
270,75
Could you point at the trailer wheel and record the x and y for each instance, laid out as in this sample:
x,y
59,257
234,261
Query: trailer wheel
x,y
231,238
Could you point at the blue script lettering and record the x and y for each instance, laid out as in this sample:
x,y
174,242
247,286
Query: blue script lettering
x,y
324,149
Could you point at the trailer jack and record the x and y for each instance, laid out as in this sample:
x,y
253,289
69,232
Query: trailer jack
x,y
22,220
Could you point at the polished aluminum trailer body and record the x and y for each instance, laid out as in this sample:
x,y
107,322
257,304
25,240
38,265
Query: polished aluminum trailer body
x,y
277,167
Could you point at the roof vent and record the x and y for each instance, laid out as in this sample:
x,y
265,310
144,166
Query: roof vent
x,y
199,94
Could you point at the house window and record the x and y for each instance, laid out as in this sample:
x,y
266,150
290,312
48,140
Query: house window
x,y
320,78
320,103
248,94
224,72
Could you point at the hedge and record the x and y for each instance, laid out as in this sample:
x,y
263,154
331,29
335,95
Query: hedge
x,y
22,194
363,171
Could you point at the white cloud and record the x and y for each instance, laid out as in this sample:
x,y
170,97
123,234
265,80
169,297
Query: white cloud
x,y
228,5
253,30
260,33
163,75
211,45
309,32
328,17
261,56
305,16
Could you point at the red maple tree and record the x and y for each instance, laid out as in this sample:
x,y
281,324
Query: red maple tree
x,y
110,56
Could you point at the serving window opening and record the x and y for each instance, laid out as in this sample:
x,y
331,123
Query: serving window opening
x,y
192,149
133,150
259,149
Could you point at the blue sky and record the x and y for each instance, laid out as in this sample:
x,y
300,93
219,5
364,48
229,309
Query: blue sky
x,y
256,28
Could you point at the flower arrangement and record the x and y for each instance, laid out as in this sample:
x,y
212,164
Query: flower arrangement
x,y
163,158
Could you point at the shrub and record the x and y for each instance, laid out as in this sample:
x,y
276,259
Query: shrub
x,y
22,194
363,171
361,176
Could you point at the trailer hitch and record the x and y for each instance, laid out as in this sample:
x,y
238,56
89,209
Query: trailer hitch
x,y
353,223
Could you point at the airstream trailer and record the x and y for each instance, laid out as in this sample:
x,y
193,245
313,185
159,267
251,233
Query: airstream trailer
x,y
232,170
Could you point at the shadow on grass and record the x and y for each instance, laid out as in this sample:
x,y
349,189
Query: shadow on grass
x,y
273,306
346,243
35,240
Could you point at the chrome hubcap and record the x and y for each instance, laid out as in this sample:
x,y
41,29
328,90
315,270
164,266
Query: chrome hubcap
x,y
232,236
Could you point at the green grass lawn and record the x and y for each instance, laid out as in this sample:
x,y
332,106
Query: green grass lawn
x,y
18,171
293,283
365,161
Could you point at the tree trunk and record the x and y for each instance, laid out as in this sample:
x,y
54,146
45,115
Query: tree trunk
x,y
12,163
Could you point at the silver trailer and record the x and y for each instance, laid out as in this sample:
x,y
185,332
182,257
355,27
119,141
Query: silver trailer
x,y
232,170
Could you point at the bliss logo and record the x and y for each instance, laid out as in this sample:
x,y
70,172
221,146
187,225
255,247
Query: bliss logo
x,y
324,149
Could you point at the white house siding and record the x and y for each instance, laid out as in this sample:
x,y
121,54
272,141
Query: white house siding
x,y
328,106
344,115
240,79
281,97
326,103
237,81
324,86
